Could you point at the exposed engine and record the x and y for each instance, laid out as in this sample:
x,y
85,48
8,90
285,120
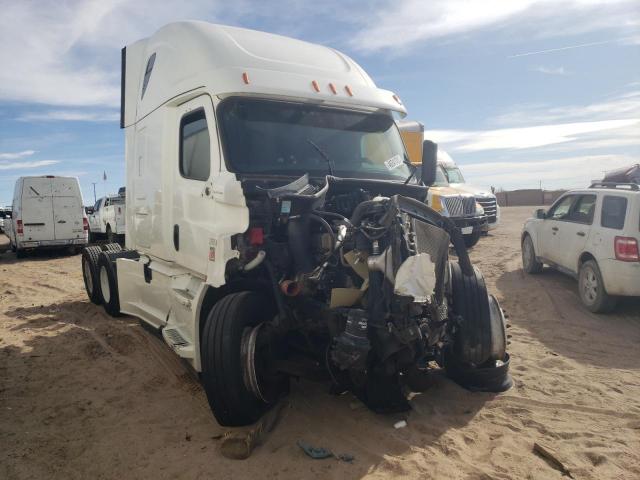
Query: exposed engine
x,y
361,272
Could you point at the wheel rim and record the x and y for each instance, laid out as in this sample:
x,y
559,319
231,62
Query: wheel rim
x,y
257,352
88,278
104,284
590,285
248,356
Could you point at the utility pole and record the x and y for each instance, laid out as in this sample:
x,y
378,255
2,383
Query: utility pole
x,y
94,192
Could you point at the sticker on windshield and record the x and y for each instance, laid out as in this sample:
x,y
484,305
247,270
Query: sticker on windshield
x,y
394,162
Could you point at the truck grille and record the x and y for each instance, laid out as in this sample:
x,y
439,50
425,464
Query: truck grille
x,y
490,208
460,206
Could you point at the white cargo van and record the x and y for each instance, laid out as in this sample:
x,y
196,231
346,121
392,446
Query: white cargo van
x,y
275,227
47,213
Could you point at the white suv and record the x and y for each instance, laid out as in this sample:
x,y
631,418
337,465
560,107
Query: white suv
x,y
593,235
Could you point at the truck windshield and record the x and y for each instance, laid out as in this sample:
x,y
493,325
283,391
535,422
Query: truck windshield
x,y
454,174
441,178
286,138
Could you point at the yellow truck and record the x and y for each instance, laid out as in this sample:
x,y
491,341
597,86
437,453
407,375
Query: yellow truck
x,y
455,203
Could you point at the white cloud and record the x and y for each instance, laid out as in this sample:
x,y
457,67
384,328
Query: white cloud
x,y
550,70
69,115
14,155
68,53
403,22
522,137
26,165
563,172
625,105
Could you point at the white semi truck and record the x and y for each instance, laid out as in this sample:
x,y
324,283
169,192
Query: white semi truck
x,y
275,227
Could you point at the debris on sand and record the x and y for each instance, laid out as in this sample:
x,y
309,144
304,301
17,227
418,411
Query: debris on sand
x,y
551,458
320,453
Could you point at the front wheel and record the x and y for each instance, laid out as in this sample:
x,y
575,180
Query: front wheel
x,y
592,291
237,357
477,358
471,239
530,263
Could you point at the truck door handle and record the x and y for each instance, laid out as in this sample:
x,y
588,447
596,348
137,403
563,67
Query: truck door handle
x,y
62,221
555,229
581,234
176,237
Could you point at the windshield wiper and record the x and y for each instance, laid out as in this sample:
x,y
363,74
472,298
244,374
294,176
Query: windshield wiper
x,y
411,166
323,154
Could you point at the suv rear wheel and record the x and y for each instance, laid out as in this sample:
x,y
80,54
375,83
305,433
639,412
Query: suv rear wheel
x,y
592,290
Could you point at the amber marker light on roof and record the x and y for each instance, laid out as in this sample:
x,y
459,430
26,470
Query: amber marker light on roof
x,y
245,78
397,99
348,90
332,87
315,85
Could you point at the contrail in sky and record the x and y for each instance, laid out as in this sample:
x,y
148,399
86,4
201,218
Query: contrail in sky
x,y
562,48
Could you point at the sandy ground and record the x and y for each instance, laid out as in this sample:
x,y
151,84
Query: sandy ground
x,y
86,396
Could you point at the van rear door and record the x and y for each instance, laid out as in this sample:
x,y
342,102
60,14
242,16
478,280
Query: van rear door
x,y
67,209
37,209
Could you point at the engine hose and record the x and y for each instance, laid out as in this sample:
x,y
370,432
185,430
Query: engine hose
x,y
259,258
361,209
325,224
334,215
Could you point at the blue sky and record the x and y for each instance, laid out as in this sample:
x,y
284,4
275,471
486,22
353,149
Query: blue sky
x,y
517,91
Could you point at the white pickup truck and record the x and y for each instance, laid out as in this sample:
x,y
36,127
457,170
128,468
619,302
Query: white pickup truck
x,y
108,219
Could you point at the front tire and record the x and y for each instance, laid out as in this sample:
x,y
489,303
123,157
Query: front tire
x,y
229,378
473,238
477,359
530,263
111,238
592,291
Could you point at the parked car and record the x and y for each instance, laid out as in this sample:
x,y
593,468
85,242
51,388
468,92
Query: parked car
x,y
108,219
275,228
47,213
5,216
592,235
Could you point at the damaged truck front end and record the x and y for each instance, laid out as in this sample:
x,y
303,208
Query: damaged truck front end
x,y
355,281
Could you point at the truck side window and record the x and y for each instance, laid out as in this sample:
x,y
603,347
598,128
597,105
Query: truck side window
x,y
560,210
614,209
583,210
195,154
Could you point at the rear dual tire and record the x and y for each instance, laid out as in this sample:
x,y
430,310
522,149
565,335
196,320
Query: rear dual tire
x,y
99,273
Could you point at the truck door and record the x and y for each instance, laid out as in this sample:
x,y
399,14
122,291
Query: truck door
x,y
37,209
94,218
196,164
67,209
552,229
574,231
